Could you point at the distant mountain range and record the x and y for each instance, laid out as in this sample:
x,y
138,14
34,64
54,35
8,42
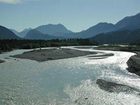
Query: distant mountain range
x,y
54,30
51,30
94,30
21,34
127,23
35,35
102,32
48,32
126,31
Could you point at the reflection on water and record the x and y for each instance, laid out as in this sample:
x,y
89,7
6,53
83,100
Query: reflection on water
x,y
65,82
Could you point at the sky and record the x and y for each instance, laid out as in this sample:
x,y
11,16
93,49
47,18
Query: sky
x,y
76,15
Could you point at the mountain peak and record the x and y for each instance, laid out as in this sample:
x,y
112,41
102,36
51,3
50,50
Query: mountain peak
x,y
54,24
53,29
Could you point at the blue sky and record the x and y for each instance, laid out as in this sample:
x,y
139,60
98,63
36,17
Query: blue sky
x,y
76,15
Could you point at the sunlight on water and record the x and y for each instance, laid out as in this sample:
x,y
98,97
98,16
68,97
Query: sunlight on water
x,y
88,93
67,81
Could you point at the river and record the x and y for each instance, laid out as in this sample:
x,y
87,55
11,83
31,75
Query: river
x,y
67,81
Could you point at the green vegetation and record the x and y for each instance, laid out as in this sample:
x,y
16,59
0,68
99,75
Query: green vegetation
x,y
8,45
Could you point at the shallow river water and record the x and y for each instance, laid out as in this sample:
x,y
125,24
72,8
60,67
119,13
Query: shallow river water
x,y
67,81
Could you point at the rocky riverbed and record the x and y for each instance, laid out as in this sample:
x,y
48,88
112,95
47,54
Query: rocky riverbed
x,y
52,54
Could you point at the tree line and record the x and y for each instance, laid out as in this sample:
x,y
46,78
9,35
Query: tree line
x,y
8,45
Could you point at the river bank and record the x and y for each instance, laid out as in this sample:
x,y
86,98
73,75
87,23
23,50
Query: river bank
x,y
52,54
133,62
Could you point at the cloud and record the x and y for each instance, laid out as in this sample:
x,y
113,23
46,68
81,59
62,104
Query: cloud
x,y
10,1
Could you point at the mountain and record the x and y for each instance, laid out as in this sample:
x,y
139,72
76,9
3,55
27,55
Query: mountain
x,y
24,32
15,32
126,30
129,23
21,34
55,30
118,37
37,35
97,29
5,33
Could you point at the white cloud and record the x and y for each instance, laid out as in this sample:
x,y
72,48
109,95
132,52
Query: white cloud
x,y
10,1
